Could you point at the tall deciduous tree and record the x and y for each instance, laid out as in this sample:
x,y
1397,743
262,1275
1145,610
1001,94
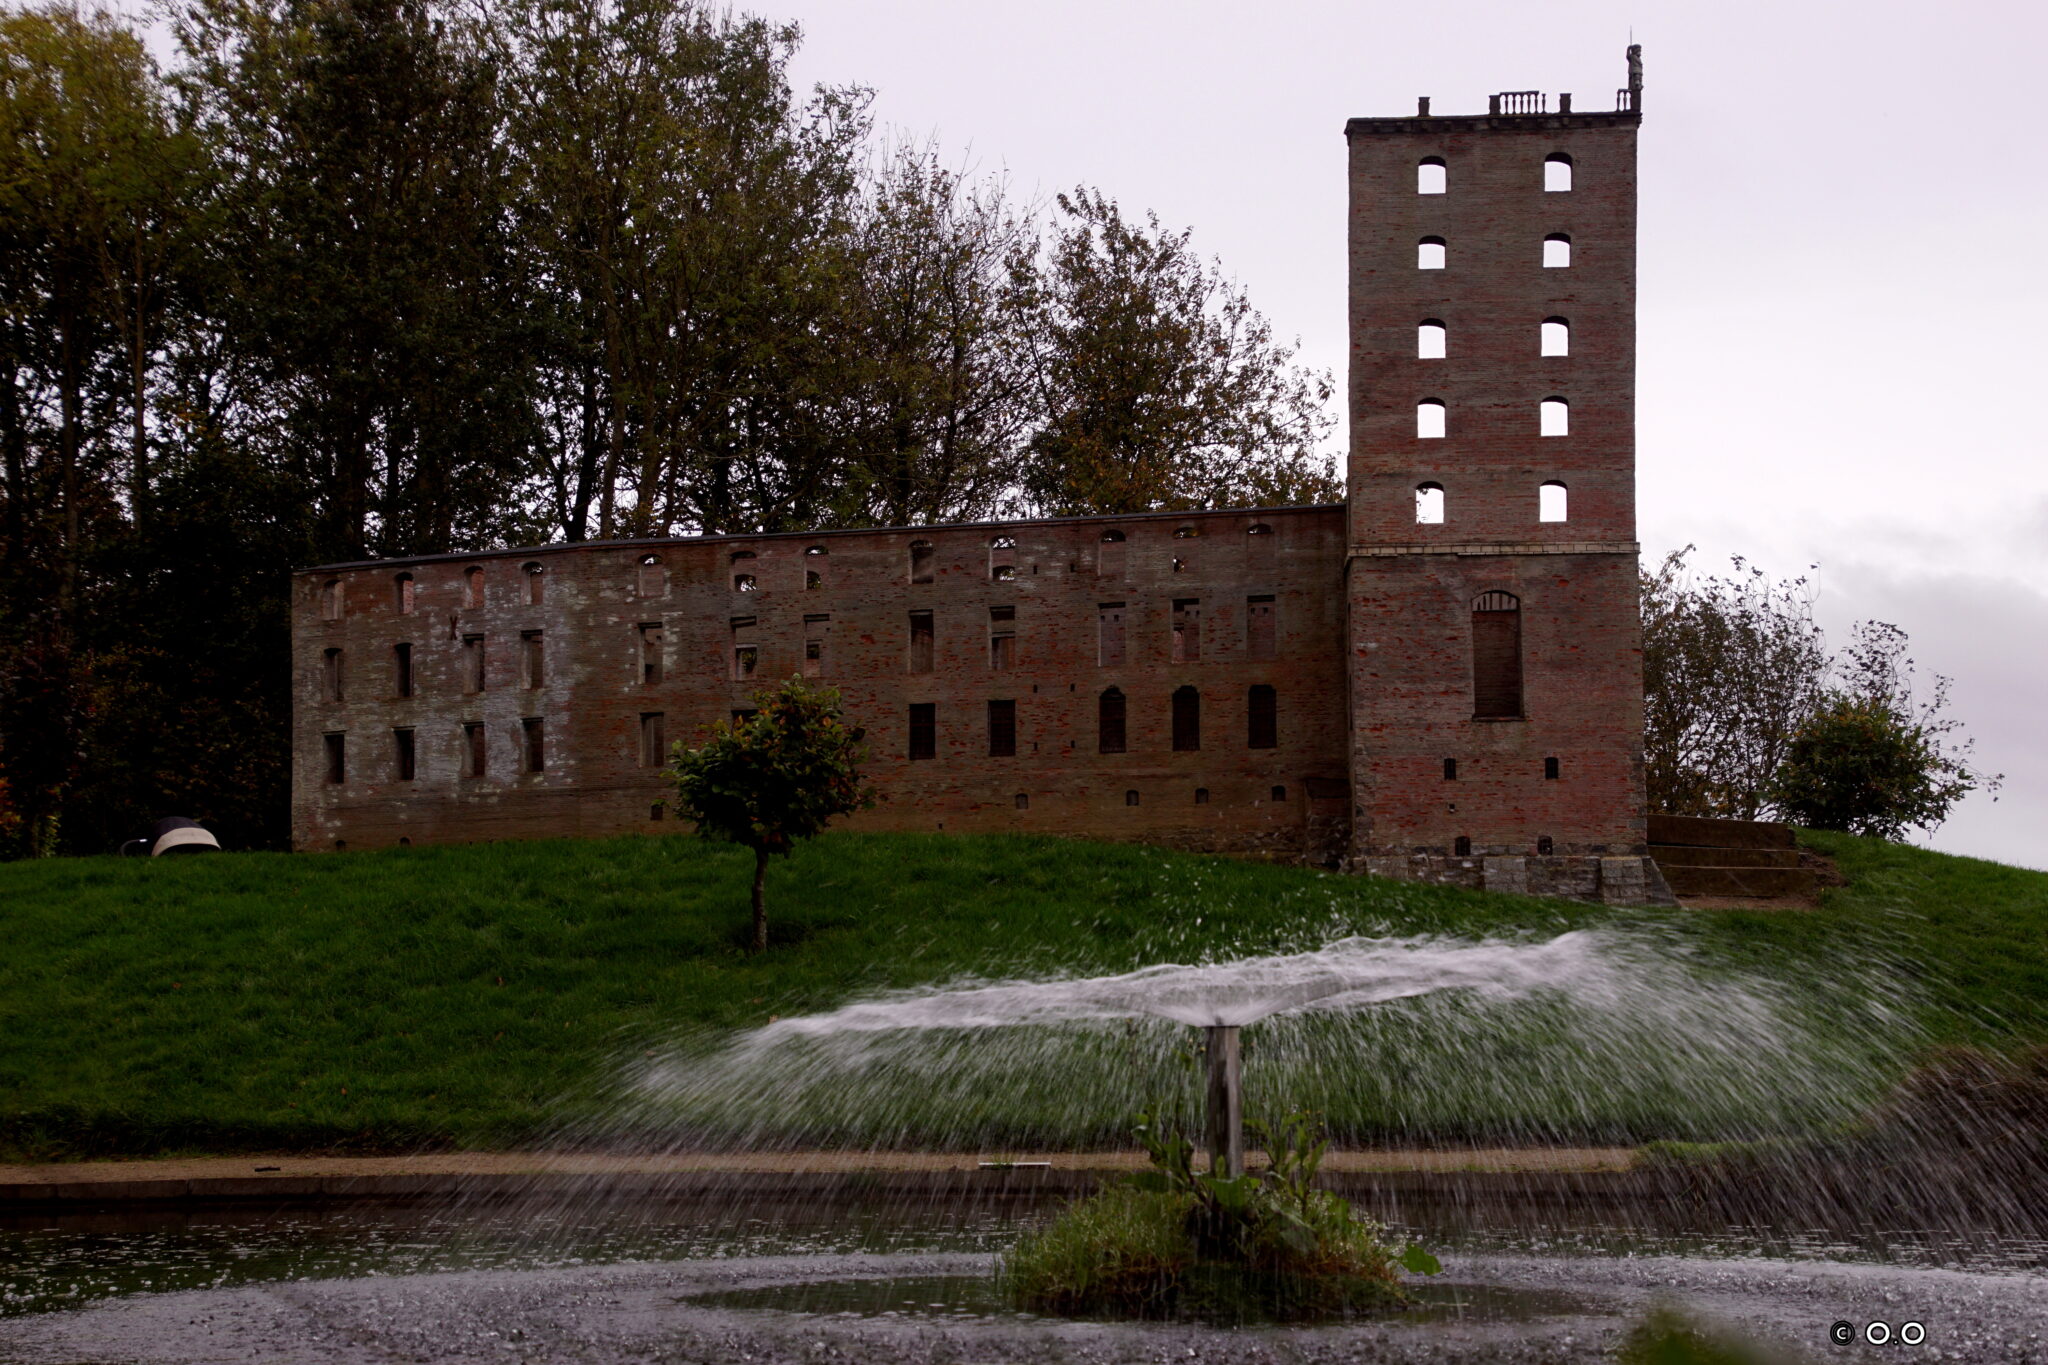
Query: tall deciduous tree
x,y
1159,385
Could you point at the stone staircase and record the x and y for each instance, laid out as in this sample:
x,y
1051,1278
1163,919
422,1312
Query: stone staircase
x,y
1735,859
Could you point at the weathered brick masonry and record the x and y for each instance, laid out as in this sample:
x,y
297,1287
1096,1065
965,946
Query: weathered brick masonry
x,y
1443,683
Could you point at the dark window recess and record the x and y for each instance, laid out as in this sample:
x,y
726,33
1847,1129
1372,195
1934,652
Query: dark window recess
x,y
1002,729
745,660
473,588
1023,801
337,760
920,642
1550,769
1260,628
1262,718
1109,634
1130,798
815,628
1279,793
1544,847
1201,796
536,584
1497,656
406,600
1002,637
1109,722
1259,548
1187,720
1450,770
474,754
473,663
924,729
1461,847
657,811
401,669
921,561
330,675
653,738
403,751
1109,555
1187,630
535,658
651,637
742,714
533,734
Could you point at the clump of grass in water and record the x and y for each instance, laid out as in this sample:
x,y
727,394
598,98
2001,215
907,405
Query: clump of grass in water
x,y
1177,1243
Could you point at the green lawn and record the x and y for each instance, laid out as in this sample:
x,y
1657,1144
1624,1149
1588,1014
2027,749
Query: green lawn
x,y
483,995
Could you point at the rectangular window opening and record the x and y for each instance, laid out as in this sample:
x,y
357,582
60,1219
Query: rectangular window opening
x,y
1002,729
473,663
404,753
1550,769
1109,634
652,637
1002,638
337,760
474,753
920,642
533,736
816,629
1187,630
1260,628
924,730
401,668
1262,718
653,739
534,660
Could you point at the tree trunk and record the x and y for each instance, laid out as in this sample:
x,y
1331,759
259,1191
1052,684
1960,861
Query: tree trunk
x,y
760,906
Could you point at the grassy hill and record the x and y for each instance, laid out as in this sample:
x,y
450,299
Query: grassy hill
x,y
457,995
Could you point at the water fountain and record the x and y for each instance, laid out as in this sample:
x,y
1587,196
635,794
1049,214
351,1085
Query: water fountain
x,y
1617,1019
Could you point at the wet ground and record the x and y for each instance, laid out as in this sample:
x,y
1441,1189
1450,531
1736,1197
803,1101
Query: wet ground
x,y
816,1281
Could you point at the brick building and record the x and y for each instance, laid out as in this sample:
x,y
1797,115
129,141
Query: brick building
x,y
1439,678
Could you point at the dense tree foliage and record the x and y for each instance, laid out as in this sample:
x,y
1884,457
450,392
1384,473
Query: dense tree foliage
x,y
1749,714
360,278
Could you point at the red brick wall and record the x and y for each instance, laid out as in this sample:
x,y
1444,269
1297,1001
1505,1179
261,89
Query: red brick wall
x,y
592,697
1412,586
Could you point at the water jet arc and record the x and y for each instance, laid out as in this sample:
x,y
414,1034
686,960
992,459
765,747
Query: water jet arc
x,y
1226,1101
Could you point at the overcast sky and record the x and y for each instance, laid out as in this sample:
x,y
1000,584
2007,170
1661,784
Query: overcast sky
x,y
1843,287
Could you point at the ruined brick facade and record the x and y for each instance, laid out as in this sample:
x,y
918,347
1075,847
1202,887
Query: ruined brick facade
x,y
1440,678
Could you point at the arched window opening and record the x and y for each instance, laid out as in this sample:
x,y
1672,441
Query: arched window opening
x,y
1556,337
1130,798
1554,417
1109,722
1557,173
921,561
653,579
1551,502
1259,546
1545,846
403,589
536,583
1187,720
1262,718
1429,253
1201,796
814,568
1431,176
1109,555
1023,801
473,588
1431,339
1429,419
1002,559
330,600
1461,847
1496,656
1557,251
1429,504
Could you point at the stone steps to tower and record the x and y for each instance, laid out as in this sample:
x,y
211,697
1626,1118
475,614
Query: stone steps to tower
x,y
1743,860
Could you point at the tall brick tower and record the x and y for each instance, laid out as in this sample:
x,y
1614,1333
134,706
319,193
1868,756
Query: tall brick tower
x,y
1495,654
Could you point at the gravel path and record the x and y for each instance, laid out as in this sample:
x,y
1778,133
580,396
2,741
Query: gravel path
x,y
636,1314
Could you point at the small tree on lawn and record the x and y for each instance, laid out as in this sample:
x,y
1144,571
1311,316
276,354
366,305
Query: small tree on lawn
x,y
772,778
